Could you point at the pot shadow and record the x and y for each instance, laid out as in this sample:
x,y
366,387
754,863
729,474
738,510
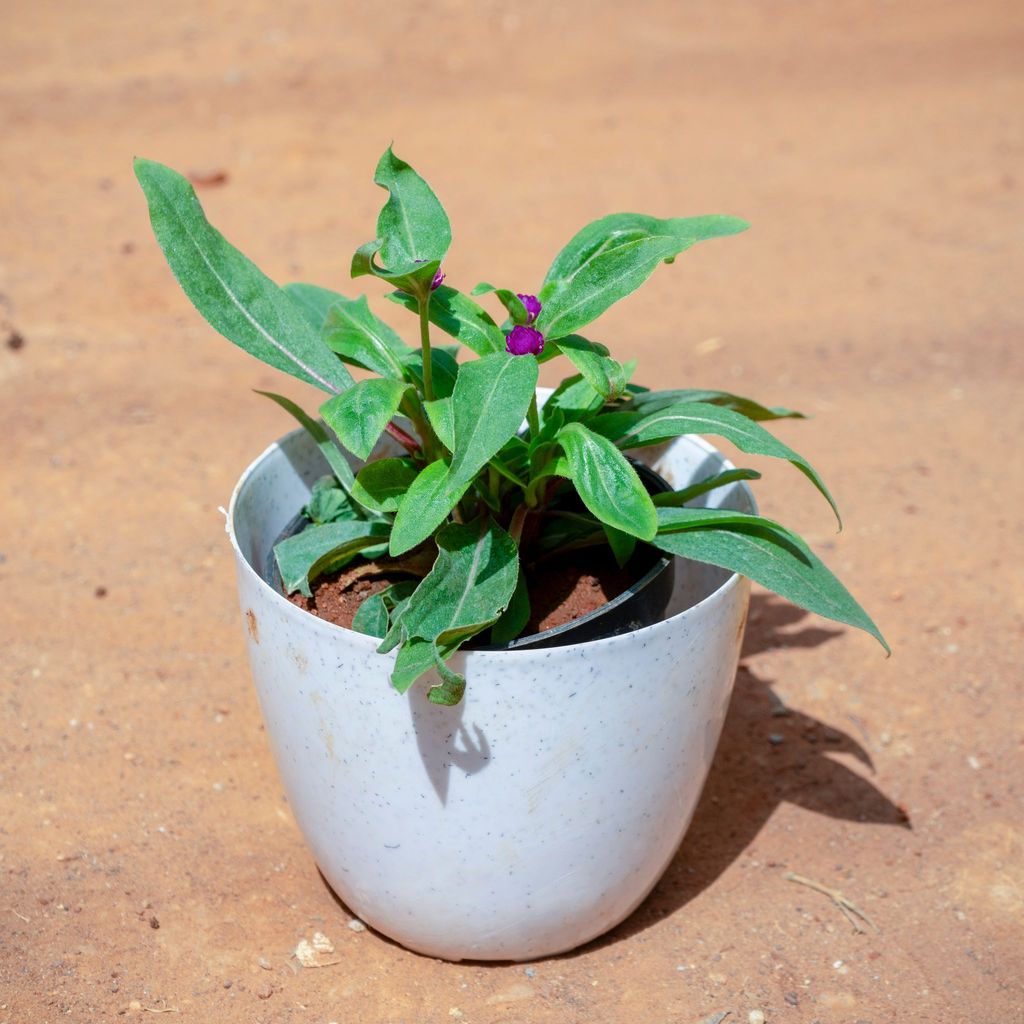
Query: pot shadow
x,y
768,754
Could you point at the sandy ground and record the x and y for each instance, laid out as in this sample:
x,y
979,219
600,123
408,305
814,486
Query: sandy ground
x,y
148,857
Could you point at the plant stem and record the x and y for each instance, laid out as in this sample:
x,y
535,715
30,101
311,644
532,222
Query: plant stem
x,y
409,443
428,369
515,529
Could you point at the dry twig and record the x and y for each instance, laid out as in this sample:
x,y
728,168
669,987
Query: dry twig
x,y
849,909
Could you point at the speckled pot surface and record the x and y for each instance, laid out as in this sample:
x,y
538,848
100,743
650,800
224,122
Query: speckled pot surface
x,y
539,812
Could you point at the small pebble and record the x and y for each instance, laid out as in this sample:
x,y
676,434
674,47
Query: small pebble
x,y
356,925
529,972
756,1017
775,738
227,984
264,963
792,999
973,762
264,992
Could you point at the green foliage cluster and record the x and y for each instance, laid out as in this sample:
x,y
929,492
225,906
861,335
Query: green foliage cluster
x,y
481,486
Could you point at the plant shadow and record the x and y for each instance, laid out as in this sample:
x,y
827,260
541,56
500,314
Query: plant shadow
x,y
768,754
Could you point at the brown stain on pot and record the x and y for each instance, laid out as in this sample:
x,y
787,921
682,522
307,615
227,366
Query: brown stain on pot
x,y
252,625
300,660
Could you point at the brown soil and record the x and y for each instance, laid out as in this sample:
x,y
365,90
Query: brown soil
x,y
877,151
561,590
337,597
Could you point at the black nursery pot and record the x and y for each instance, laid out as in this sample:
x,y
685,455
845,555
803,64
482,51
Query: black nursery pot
x,y
642,604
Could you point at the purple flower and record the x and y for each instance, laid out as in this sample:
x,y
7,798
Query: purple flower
x,y
524,341
436,283
532,306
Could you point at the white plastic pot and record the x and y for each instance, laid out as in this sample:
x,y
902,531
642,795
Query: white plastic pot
x,y
539,812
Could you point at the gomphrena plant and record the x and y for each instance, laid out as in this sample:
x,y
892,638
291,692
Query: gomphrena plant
x,y
481,485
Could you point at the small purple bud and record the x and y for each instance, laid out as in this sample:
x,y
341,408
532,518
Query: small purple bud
x,y
436,283
524,341
532,306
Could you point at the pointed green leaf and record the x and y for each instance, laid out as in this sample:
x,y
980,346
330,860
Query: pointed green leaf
x,y
444,368
323,549
637,429
514,618
469,586
417,280
490,401
767,553
412,226
573,399
605,375
328,503
675,499
362,338
372,616
458,315
314,302
441,414
235,297
360,415
612,257
335,459
426,505
652,401
509,299
622,544
606,483
380,485
452,687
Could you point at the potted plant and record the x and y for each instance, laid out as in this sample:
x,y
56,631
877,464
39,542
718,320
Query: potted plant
x,y
470,782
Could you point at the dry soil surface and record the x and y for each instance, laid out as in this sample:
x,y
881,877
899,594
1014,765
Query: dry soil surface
x,y
149,860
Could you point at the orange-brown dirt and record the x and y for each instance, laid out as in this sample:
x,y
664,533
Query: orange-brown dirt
x,y
148,857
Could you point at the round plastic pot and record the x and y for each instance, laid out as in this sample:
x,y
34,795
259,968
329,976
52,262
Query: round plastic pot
x,y
540,811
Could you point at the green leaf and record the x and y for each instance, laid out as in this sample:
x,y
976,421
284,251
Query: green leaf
x,y
491,397
234,296
414,658
380,485
458,315
652,401
674,499
329,503
514,618
637,429
441,414
326,444
425,506
360,415
323,549
452,687
622,544
612,257
416,281
314,302
605,375
470,585
509,299
767,553
359,336
573,399
372,616
412,227
444,367
607,484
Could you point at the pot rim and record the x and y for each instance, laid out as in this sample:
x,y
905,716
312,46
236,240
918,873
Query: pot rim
x,y
351,636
